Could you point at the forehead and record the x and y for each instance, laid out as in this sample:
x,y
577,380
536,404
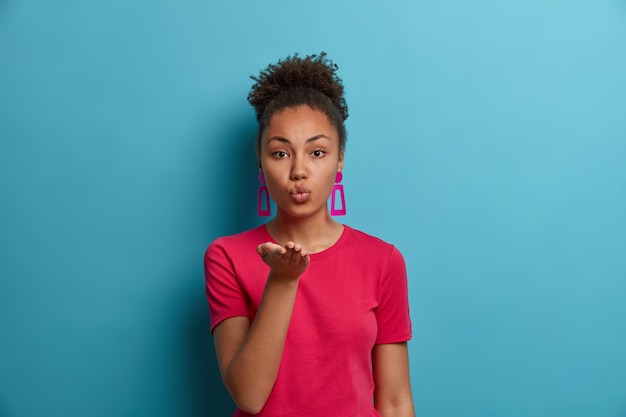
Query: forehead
x,y
300,123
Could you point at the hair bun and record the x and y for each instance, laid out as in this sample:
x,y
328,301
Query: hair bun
x,y
316,72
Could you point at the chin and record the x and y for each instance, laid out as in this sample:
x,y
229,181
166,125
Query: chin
x,y
301,212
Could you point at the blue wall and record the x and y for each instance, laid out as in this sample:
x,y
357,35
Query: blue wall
x,y
487,139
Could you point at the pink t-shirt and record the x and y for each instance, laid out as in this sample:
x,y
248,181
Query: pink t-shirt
x,y
352,296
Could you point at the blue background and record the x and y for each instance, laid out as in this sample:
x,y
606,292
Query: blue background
x,y
487,140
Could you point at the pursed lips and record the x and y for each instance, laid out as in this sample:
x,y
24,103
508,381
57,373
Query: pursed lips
x,y
300,194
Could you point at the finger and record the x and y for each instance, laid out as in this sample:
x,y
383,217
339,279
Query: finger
x,y
289,246
295,255
263,249
305,259
277,253
270,251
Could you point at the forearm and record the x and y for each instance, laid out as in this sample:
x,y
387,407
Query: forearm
x,y
252,372
392,393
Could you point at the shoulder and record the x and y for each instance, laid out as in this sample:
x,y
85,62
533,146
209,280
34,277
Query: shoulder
x,y
358,237
247,237
373,246
242,241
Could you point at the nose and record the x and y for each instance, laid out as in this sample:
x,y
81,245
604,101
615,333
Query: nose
x,y
298,169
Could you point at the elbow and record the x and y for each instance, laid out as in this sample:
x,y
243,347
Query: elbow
x,y
247,401
248,393
251,410
404,409
249,406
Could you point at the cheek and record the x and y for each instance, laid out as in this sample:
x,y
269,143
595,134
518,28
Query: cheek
x,y
275,179
329,179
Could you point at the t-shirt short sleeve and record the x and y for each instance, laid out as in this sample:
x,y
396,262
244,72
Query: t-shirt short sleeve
x,y
392,314
224,292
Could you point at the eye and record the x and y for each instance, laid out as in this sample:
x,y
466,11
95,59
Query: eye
x,y
318,153
279,154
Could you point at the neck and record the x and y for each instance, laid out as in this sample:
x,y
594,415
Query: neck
x,y
314,233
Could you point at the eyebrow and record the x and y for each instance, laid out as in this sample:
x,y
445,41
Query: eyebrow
x,y
285,140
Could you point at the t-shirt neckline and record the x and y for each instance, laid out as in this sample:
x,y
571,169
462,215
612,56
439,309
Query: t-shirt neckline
x,y
319,255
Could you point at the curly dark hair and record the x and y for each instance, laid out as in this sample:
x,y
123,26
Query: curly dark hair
x,y
296,81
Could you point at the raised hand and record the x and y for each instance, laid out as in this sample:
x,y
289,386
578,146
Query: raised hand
x,y
289,261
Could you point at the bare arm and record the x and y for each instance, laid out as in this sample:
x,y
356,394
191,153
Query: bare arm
x,y
392,393
249,355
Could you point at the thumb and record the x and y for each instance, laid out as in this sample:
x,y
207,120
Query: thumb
x,y
264,248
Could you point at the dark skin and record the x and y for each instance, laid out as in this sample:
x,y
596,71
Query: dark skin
x,y
300,156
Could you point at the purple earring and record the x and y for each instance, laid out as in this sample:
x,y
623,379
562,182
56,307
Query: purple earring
x,y
263,192
338,188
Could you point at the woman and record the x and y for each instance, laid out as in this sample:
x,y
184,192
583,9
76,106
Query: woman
x,y
309,316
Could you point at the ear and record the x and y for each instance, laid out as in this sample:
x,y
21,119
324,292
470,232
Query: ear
x,y
340,163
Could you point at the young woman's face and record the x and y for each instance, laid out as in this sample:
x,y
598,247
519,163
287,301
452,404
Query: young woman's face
x,y
300,157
